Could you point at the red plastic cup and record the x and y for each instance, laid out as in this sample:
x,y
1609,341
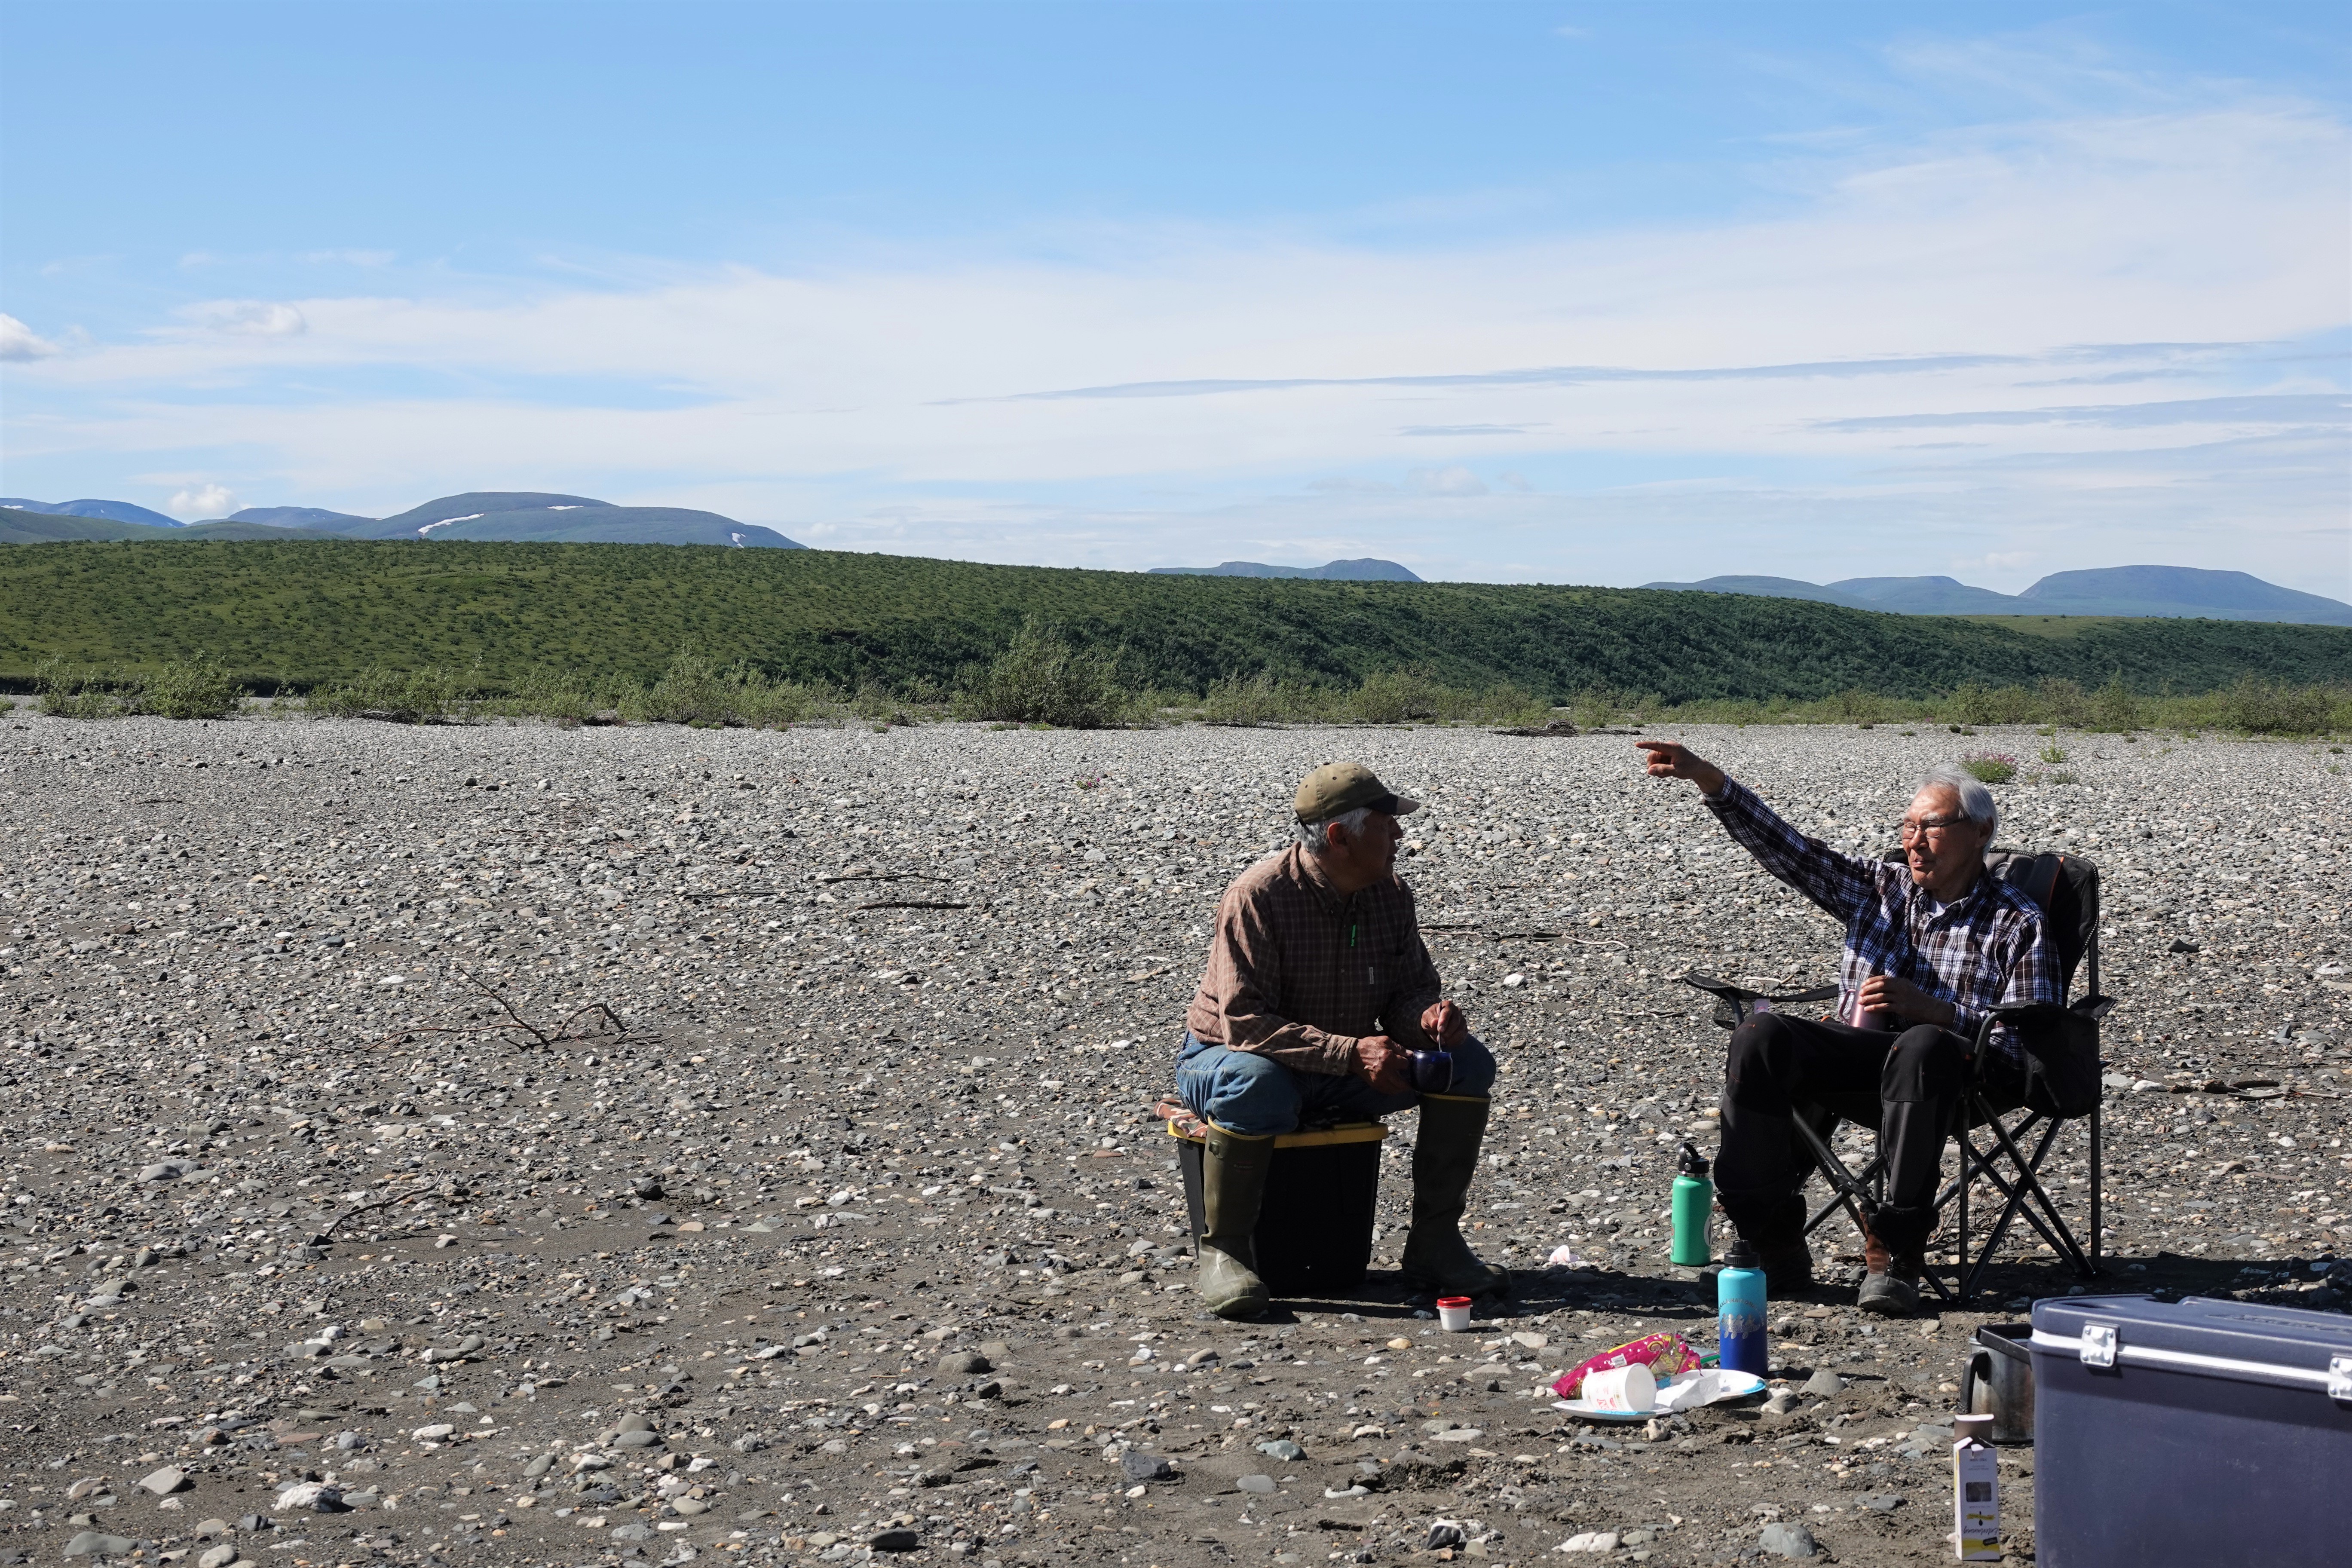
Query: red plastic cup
x,y
1453,1313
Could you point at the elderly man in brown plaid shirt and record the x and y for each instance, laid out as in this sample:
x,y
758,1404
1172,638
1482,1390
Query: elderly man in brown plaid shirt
x,y
1317,996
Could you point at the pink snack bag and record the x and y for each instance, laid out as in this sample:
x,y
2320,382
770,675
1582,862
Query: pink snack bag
x,y
1665,1354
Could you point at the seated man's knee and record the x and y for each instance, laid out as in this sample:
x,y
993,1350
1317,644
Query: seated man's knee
x,y
1758,1059
1925,1063
1474,1067
1252,1095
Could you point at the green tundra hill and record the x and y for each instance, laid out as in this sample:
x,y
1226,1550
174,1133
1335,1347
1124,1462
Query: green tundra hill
x,y
20,527
300,613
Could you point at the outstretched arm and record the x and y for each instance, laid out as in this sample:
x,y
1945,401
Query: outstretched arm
x,y
1840,884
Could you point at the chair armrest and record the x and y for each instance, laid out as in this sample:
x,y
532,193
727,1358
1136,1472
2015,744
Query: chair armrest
x,y
1732,991
1715,987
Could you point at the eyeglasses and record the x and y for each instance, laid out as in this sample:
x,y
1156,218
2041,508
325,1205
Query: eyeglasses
x,y
1926,826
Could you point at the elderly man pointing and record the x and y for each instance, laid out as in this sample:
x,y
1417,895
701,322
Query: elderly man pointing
x,y
1317,992
1932,945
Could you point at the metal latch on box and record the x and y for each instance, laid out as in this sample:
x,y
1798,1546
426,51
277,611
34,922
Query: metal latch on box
x,y
2098,1344
2339,1377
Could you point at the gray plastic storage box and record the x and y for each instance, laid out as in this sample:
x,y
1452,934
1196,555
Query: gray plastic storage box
x,y
2211,1432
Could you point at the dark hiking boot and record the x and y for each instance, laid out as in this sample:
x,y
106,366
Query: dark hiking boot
x,y
1890,1283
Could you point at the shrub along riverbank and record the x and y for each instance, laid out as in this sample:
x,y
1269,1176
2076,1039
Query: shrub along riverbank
x,y
1042,679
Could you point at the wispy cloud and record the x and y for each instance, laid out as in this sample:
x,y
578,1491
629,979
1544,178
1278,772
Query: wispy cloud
x,y
2283,408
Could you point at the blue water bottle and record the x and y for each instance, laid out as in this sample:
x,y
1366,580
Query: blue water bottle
x,y
1739,1308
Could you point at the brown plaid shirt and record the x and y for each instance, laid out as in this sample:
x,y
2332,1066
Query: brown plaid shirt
x,y
1300,974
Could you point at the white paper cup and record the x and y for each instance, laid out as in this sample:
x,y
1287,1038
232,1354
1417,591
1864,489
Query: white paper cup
x,y
1628,1388
1454,1314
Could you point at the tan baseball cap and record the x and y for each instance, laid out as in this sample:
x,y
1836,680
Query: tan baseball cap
x,y
1336,788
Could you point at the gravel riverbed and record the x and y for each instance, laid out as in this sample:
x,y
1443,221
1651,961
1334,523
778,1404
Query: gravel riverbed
x,y
848,1235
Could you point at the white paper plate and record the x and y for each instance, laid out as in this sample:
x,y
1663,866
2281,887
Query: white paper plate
x,y
1737,1385
1584,1411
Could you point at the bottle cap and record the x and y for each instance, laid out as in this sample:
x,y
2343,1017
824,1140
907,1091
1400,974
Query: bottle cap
x,y
1694,1164
1972,1428
1742,1255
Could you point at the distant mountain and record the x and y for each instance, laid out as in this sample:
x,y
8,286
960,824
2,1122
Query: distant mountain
x,y
1771,588
18,527
532,515
1929,596
2178,592
1365,570
543,518
115,510
295,516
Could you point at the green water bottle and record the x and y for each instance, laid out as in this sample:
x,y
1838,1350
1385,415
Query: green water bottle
x,y
1693,1206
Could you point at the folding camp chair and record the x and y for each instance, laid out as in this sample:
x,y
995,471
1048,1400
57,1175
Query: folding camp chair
x,y
2062,1084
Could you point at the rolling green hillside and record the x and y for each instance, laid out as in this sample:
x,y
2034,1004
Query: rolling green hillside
x,y
18,527
308,611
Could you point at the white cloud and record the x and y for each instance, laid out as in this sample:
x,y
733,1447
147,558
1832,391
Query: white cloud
x,y
249,318
1452,481
202,501
351,257
18,342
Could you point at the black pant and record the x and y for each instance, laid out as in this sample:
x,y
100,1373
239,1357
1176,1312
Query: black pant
x,y
1782,1067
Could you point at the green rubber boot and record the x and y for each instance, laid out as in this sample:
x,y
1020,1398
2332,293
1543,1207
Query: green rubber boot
x,y
1233,1188
1444,1157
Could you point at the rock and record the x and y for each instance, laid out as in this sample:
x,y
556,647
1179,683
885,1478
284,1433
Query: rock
x,y
1590,1541
962,1363
1788,1540
1138,1466
92,1544
634,1424
317,1497
210,1529
433,1433
1824,1385
631,1532
165,1481
220,1556
687,1506
635,1439
1255,1483
1443,1533
898,1539
538,1466
1459,1434
647,1186
1882,1502
1282,1449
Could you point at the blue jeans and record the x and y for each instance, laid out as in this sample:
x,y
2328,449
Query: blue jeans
x,y
1258,1096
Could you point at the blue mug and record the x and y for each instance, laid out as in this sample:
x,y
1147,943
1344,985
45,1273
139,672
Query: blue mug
x,y
1432,1071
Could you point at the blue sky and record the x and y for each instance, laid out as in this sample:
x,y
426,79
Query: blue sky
x,y
1557,292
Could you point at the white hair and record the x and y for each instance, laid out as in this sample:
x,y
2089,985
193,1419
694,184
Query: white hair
x,y
1976,801
1317,842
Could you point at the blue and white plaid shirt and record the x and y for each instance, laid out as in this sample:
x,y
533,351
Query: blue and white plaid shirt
x,y
1983,949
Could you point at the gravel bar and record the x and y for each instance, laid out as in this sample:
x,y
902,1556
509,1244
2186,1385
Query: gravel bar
x,y
621,1146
